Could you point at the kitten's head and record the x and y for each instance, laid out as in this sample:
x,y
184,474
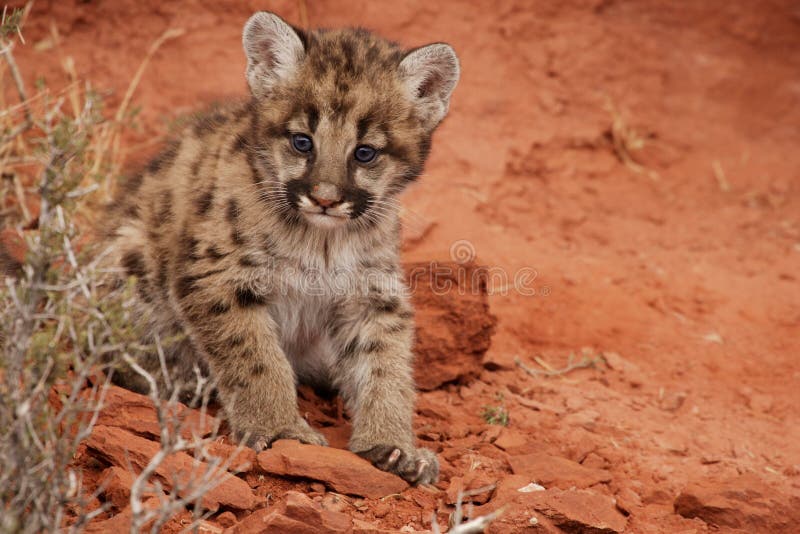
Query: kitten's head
x,y
344,118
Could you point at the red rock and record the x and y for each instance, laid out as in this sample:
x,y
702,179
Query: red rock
x,y
362,527
594,461
270,521
317,487
240,459
298,514
300,507
342,470
334,502
554,510
585,418
473,480
550,471
226,519
117,482
437,405
632,372
134,412
507,491
207,527
122,521
658,496
520,521
382,509
510,439
744,502
756,401
492,433
454,326
121,448
583,444
582,511
628,500
538,406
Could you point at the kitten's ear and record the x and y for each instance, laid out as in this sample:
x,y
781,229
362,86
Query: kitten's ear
x,y
430,74
273,50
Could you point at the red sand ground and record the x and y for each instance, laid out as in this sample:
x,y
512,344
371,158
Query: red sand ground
x,y
694,283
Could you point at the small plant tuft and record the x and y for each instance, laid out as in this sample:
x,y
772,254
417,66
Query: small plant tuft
x,y
11,23
496,415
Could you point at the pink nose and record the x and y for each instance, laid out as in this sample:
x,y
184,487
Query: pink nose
x,y
324,202
325,195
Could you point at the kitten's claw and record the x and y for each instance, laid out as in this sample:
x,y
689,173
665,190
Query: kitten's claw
x,y
416,466
423,465
394,456
260,444
301,432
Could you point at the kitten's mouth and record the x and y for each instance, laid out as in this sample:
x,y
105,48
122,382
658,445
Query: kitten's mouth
x,y
319,210
325,217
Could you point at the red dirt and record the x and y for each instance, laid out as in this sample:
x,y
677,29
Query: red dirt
x,y
690,270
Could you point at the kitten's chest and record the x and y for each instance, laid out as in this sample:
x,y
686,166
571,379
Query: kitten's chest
x,y
300,317
307,301
303,318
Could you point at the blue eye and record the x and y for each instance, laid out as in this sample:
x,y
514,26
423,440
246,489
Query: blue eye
x,y
365,153
302,143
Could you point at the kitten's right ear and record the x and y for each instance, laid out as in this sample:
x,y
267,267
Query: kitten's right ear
x,y
273,49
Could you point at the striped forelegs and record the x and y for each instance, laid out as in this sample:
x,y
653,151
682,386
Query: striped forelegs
x,y
229,323
376,380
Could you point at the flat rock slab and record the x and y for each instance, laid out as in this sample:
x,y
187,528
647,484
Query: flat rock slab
x,y
239,459
137,413
342,470
744,503
549,470
298,515
122,521
578,511
582,511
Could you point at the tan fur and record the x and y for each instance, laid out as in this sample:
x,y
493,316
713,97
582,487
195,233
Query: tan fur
x,y
264,265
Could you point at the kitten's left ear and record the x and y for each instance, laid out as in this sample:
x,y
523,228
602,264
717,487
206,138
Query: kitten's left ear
x,y
430,74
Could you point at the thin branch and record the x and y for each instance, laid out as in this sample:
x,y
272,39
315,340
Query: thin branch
x,y
19,83
585,363
480,491
473,526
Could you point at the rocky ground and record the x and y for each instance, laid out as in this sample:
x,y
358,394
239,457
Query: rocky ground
x,y
629,171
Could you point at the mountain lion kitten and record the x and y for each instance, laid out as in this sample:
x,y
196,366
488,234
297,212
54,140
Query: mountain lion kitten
x,y
265,239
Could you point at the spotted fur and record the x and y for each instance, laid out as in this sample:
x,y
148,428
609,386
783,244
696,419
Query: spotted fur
x,y
272,265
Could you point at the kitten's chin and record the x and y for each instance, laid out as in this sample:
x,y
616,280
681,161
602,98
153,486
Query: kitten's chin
x,y
325,221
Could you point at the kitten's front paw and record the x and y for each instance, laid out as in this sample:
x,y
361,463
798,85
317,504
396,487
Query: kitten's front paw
x,y
416,466
300,431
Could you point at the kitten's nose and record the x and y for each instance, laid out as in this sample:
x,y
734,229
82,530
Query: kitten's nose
x,y
325,195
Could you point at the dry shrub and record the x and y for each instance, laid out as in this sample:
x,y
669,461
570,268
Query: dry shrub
x,y
67,321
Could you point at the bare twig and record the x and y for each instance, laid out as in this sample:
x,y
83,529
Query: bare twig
x,y
302,8
584,363
19,83
480,491
169,34
110,140
625,141
719,174
185,490
472,526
